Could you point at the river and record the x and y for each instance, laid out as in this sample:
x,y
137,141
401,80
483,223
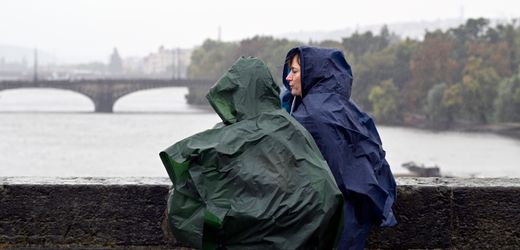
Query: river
x,y
47,132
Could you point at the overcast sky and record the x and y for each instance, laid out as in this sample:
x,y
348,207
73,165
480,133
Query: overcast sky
x,y
89,29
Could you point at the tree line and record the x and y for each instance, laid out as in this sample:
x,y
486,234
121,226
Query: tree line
x,y
465,75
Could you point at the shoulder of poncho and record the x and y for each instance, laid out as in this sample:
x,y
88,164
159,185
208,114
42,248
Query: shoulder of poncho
x,y
346,120
318,111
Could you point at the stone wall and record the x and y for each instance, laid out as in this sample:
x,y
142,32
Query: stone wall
x,y
127,213
455,214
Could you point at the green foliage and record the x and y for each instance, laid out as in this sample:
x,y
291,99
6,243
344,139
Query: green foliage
x,y
449,76
359,44
371,69
473,29
452,97
437,115
384,99
508,101
329,44
213,58
271,51
479,90
442,105
403,54
433,62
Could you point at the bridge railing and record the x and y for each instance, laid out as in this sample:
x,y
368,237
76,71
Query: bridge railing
x,y
433,213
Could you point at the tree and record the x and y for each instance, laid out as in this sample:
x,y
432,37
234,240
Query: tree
x,y
494,55
373,68
271,51
472,30
369,71
359,44
507,104
448,76
384,99
509,34
479,90
401,73
440,106
330,44
212,59
451,102
432,63
209,61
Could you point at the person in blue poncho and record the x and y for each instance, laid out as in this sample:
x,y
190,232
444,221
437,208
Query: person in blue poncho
x,y
319,83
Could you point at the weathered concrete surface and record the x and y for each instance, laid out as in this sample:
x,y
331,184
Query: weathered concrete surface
x,y
454,213
127,212
74,212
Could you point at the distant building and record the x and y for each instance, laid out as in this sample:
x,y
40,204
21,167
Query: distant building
x,y
171,63
13,70
115,65
13,66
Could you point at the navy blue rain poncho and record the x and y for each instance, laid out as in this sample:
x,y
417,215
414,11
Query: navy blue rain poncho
x,y
347,138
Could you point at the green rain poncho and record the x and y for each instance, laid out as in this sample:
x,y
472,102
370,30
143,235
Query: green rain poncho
x,y
257,181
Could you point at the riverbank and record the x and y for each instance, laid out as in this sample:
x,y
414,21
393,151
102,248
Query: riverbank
x,y
511,130
506,129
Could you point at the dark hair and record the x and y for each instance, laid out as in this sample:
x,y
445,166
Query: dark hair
x,y
290,58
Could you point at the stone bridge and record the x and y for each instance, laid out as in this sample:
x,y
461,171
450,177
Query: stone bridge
x,y
105,92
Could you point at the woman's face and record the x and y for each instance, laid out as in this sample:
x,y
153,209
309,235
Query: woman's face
x,y
294,77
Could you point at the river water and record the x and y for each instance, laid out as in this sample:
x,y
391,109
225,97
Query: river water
x,y
54,133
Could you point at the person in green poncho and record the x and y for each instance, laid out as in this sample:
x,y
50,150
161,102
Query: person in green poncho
x,y
256,181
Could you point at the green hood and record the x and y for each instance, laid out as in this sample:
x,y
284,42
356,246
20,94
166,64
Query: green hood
x,y
245,91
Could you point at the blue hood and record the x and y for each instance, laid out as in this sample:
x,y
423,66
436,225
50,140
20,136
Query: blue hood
x,y
348,140
322,69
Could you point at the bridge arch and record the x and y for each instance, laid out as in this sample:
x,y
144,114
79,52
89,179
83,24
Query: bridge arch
x,y
163,99
45,99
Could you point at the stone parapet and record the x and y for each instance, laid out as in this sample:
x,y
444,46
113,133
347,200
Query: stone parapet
x,y
93,213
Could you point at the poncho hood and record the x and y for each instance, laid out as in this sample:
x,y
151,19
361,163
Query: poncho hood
x,y
246,90
322,69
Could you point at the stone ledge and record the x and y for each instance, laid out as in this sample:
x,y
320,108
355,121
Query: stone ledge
x,y
107,181
454,213
95,213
